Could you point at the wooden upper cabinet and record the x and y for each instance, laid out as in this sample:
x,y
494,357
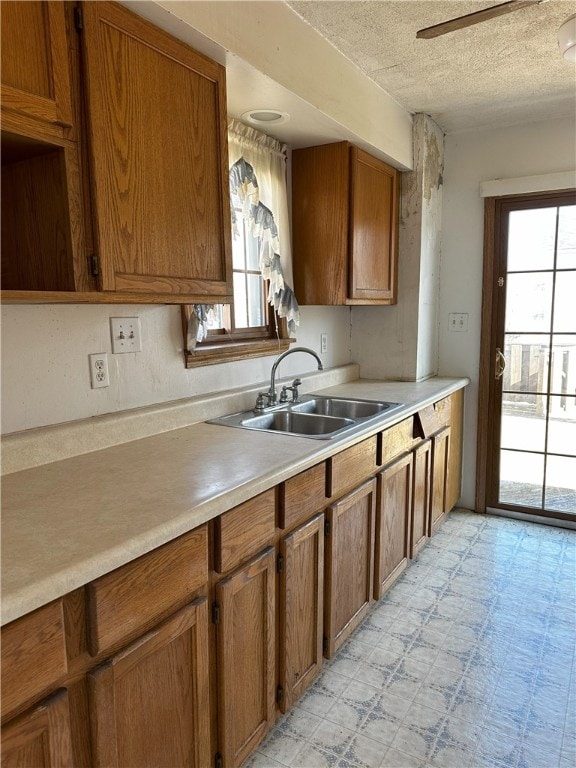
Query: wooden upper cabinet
x,y
345,226
35,68
373,233
159,159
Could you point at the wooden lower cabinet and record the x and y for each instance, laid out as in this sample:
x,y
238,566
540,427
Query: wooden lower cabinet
x,y
349,564
149,704
246,664
129,672
301,609
40,738
439,475
393,514
421,481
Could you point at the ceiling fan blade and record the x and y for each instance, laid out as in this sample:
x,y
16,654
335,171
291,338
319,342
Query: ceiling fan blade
x,y
474,18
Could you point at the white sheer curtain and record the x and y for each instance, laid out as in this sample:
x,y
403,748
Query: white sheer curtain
x,y
258,185
257,178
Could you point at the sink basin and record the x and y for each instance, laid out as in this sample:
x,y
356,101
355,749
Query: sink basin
x,y
316,416
297,423
343,407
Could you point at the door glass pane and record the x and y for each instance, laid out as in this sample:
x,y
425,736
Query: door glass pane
x,y
562,425
561,484
531,238
564,302
528,302
563,376
526,363
521,478
523,424
566,258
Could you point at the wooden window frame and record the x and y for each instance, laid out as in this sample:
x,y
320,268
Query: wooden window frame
x,y
224,348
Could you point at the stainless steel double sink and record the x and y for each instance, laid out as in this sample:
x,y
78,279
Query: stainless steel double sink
x,y
315,416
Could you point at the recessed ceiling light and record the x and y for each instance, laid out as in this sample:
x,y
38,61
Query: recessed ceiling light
x,y
567,38
265,117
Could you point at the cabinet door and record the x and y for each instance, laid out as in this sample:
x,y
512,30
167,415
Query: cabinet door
x,y
40,738
421,497
373,229
440,466
150,703
393,523
35,73
157,124
246,659
301,609
349,564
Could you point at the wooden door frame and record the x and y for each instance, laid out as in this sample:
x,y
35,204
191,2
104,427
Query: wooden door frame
x,y
494,210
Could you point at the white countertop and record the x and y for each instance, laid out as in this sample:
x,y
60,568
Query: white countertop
x,y
68,522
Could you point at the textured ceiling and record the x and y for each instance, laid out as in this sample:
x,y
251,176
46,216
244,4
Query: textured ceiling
x,y
501,72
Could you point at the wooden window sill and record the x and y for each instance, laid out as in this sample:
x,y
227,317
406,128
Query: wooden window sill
x,y
210,354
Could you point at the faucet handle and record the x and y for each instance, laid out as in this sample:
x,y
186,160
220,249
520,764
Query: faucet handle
x,y
263,399
295,384
294,389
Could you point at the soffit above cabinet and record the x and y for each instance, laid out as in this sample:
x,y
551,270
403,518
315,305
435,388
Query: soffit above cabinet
x,y
367,116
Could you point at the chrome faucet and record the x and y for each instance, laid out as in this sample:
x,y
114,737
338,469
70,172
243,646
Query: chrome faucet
x,y
271,397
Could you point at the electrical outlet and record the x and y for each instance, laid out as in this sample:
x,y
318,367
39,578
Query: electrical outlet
x,y
323,343
458,321
126,334
99,376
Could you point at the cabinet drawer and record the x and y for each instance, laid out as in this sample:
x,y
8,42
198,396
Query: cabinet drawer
x,y
134,597
33,655
395,441
244,531
302,496
351,467
433,418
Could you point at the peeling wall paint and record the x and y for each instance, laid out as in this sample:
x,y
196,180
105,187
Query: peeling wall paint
x,y
433,165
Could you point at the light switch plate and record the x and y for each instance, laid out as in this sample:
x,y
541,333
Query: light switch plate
x,y
458,321
126,334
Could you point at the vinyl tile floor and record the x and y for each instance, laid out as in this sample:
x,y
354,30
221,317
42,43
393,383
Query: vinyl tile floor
x,y
468,660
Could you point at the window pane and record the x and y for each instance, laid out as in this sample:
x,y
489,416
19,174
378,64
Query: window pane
x,y
563,365
255,301
566,257
564,302
526,363
561,484
531,238
562,426
528,302
238,248
240,301
216,317
252,257
521,478
523,425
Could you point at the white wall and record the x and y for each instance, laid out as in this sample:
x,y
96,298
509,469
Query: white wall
x,y
470,158
46,378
